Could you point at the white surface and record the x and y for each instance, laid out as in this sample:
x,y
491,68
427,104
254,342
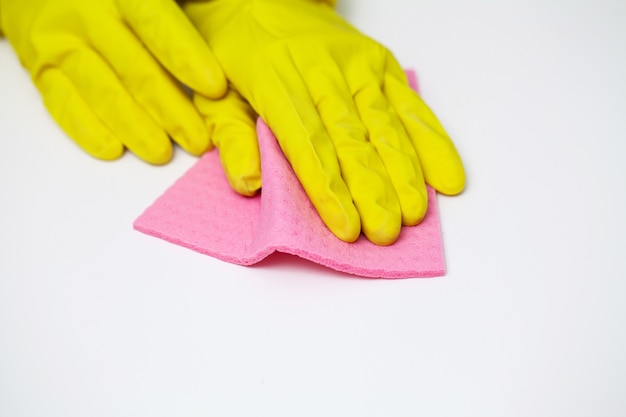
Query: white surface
x,y
99,320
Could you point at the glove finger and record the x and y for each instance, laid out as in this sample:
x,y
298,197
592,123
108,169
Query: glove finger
x,y
441,163
231,123
361,167
171,37
108,99
393,145
285,104
70,111
162,97
388,136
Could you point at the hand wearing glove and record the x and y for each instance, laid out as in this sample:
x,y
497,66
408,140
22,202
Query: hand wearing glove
x,y
103,68
360,141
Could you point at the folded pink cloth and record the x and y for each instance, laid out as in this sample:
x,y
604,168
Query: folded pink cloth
x,y
201,212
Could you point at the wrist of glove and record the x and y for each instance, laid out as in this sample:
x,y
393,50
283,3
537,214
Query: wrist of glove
x,y
111,72
361,142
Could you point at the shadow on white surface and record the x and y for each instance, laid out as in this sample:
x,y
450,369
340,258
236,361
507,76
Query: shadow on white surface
x,y
280,261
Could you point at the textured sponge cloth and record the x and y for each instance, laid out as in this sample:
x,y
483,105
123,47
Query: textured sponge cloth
x,y
201,212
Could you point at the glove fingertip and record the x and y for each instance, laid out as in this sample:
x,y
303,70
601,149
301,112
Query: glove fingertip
x,y
216,84
416,211
346,225
449,178
385,235
246,186
244,176
156,154
241,165
208,78
454,186
107,151
347,234
196,145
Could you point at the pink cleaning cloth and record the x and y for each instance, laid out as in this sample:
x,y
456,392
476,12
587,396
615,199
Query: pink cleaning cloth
x,y
201,212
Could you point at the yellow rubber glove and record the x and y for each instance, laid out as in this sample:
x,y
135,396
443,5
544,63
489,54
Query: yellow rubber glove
x,y
360,141
103,68
231,123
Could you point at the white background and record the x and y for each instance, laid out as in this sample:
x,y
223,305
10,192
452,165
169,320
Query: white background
x,y
99,320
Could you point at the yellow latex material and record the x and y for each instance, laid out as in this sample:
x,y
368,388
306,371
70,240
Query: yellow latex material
x,y
110,72
232,128
360,141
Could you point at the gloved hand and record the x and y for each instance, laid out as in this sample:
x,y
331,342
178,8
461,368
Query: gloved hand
x,y
360,141
103,68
